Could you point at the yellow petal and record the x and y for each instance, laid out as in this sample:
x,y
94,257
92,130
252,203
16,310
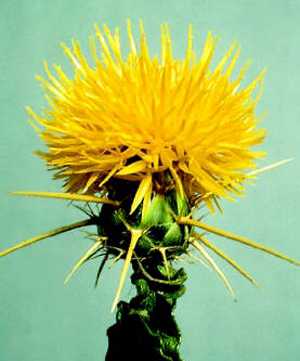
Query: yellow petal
x,y
132,168
90,182
143,189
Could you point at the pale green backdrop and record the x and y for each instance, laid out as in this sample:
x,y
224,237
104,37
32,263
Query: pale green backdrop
x,y
42,320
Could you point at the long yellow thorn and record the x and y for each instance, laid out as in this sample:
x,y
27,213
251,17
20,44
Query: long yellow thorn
x,y
82,259
234,237
229,260
68,196
135,235
198,259
214,266
269,167
49,234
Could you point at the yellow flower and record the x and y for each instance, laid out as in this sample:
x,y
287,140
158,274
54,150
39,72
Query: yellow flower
x,y
137,117
176,131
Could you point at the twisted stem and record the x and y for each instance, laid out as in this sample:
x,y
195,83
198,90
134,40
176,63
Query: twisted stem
x,y
145,327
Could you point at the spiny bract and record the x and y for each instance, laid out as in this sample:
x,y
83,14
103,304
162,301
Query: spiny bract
x,y
137,116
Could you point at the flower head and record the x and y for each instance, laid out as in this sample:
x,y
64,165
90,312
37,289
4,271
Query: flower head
x,y
150,138
160,121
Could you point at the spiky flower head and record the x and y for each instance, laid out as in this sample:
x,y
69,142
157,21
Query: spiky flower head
x,y
150,138
160,122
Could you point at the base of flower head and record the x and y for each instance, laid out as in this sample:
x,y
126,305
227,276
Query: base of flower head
x,y
161,232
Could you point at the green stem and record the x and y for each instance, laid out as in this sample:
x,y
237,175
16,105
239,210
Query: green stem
x,y
145,328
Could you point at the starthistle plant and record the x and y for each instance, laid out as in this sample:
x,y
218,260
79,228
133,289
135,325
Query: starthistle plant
x,y
151,139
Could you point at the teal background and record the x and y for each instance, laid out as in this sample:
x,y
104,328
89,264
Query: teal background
x,y
40,318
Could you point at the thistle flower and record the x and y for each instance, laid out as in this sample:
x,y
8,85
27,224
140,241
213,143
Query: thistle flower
x,y
151,138
137,117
